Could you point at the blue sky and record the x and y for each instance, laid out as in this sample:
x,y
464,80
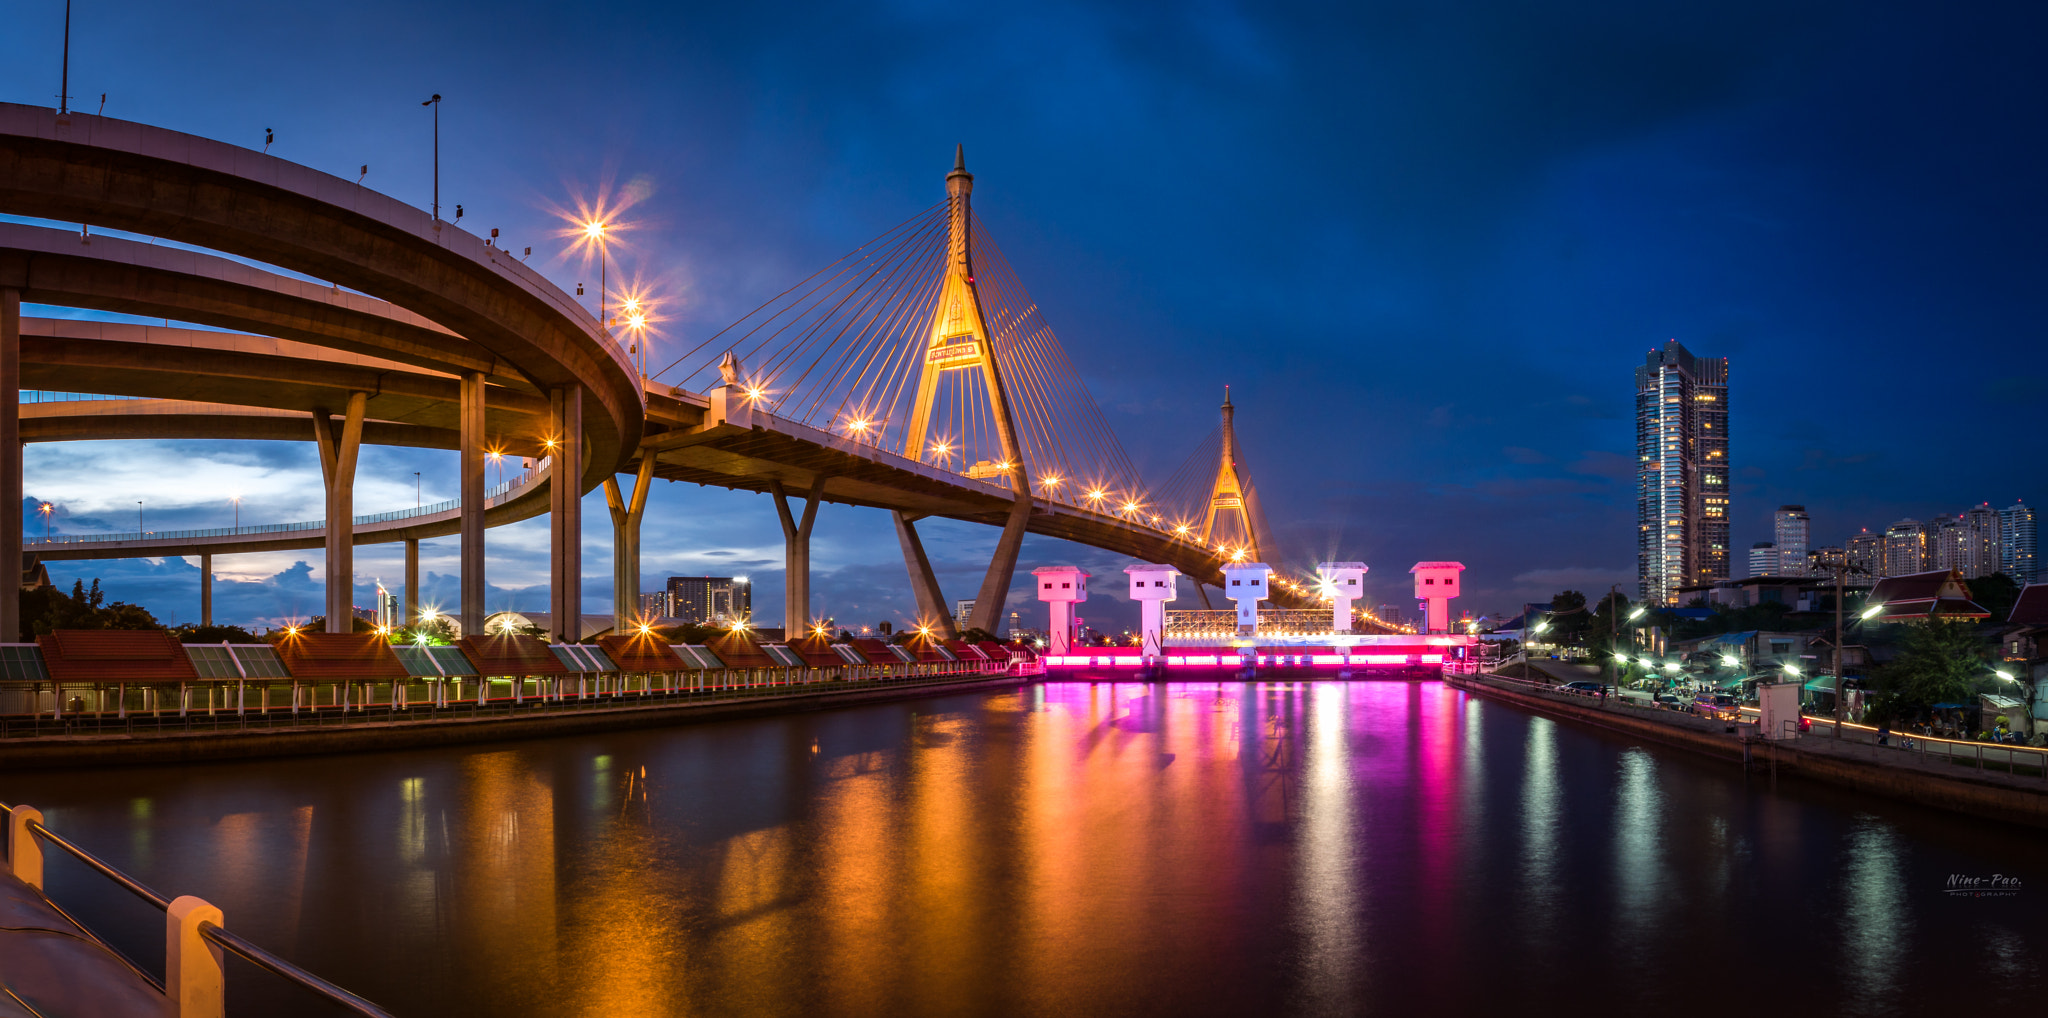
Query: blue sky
x,y
1426,243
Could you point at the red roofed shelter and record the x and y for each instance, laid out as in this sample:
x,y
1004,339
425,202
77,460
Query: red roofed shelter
x,y
345,659
643,654
513,656
117,657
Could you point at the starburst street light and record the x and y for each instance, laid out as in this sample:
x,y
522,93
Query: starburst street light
x,y
1096,494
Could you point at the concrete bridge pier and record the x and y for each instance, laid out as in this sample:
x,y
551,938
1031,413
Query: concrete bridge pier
x,y
412,581
796,556
931,604
470,485
627,508
10,459
339,445
565,513
995,586
206,588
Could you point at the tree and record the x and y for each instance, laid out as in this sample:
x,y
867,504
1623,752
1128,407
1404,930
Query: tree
x,y
46,610
192,633
1568,619
973,635
1938,662
1996,594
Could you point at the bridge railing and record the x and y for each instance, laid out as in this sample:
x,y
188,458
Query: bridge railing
x,y
492,497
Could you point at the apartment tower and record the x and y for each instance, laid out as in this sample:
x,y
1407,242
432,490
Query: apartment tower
x,y
1681,472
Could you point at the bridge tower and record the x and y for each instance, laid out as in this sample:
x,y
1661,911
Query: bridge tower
x,y
1227,525
959,341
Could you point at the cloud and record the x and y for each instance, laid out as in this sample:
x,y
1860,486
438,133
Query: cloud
x,y
1580,578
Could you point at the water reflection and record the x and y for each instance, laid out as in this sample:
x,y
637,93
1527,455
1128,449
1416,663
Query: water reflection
x,y
1077,848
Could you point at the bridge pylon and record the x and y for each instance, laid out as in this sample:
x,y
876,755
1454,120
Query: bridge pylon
x,y
959,340
1227,523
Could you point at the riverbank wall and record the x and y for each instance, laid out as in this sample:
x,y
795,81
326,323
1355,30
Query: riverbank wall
x,y
379,732
1876,770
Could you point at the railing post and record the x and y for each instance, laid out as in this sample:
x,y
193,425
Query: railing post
x,y
193,977
24,853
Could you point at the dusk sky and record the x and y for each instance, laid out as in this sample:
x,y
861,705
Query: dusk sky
x,y
1424,243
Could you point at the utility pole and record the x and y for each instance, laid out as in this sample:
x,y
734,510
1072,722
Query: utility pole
x,y
1613,634
435,102
1841,571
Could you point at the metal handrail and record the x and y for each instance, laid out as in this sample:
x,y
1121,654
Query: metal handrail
x,y
231,942
242,948
128,883
492,498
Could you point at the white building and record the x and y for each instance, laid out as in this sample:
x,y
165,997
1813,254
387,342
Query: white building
x,y
1794,532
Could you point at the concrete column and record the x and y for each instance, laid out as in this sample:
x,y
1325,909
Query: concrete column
x,y
1061,588
627,509
1152,586
1435,584
995,586
10,462
796,556
206,588
338,449
565,512
1246,583
931,604
471,491
1343,583
194,980
412,581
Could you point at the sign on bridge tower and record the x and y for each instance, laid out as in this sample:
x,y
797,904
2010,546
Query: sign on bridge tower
x,y
1227,524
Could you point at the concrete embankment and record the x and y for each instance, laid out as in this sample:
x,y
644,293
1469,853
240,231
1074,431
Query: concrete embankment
x,y
1877,770
376,733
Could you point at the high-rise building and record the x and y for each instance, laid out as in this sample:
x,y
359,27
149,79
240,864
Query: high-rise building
x,y
1825,560
1984,528
1681,472
654,604
1865,552
1905,548
710,600
962,611
2016,548
1794,532
1763,559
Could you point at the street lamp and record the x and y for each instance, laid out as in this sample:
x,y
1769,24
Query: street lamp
x,y
46,509
594,231
237,500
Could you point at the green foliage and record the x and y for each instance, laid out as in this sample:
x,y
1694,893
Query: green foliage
x,y
190,633
48,609
439,631
690,632
1996,593
973,635
1938,662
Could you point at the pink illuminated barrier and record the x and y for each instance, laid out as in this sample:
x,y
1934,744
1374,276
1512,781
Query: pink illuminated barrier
x,y
1404,656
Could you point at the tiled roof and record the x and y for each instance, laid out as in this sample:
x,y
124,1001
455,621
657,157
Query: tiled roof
x,y
641,652
739,652
2032,607
817,652
1940,593
510,654
116,655
352,656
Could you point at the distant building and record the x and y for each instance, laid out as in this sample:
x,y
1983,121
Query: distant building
x,y
2017,556
962,612
1016,623
1986,539
1763,559
1682,472
387,614
1865,552
1905,548
654,604
1794,531
1966,542
1824,562
710,600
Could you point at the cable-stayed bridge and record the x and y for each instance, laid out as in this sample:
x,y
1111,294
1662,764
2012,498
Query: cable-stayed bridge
x,y
914,375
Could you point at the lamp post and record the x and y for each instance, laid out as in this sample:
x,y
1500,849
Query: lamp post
x,y
237,500
595,231
138,519
46,509
435,102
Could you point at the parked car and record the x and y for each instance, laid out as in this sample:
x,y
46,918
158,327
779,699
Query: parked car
x,y
1671,701
1582,687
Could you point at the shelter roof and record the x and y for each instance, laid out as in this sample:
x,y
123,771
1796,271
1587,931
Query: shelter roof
x,y
510,654
739,652
2032,607
340,656
1939,593
641,652
116,655
817,652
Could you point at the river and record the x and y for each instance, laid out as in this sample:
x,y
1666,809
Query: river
x,y
1071,849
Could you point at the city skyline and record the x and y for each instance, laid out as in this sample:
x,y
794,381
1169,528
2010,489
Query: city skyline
x,y
1697,201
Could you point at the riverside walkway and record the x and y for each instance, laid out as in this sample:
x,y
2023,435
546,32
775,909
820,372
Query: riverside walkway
x,y
2008,783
